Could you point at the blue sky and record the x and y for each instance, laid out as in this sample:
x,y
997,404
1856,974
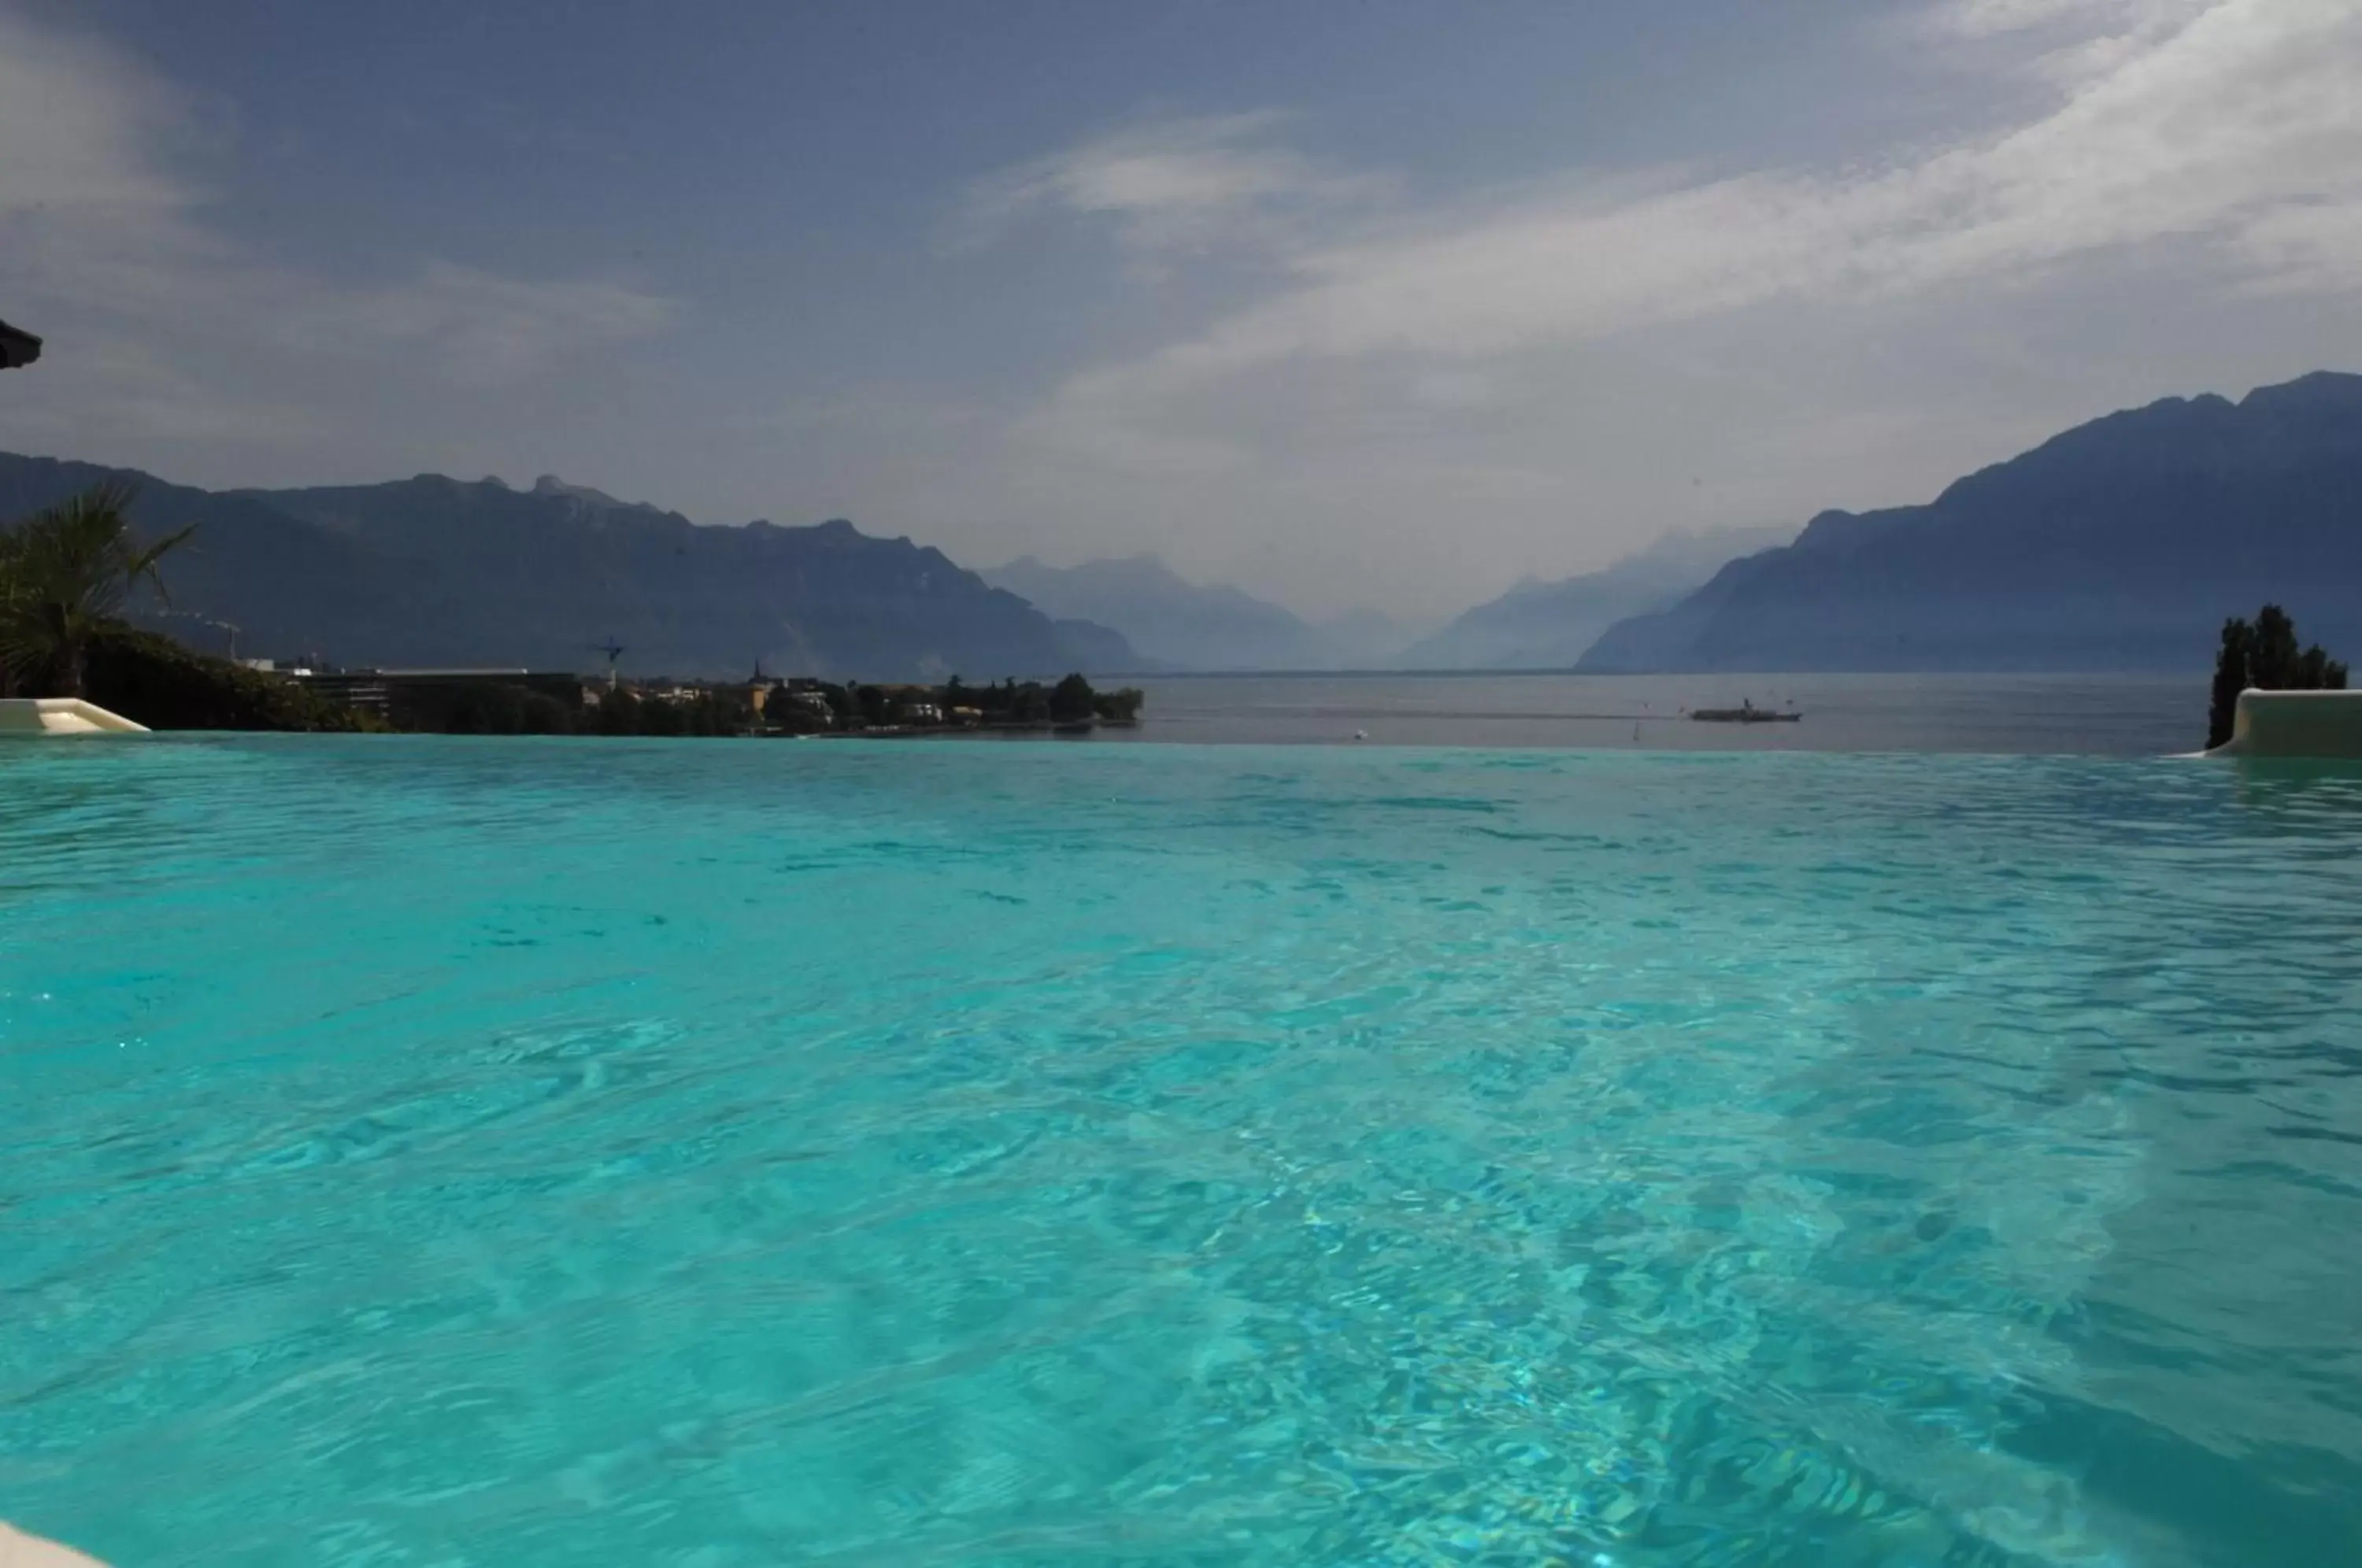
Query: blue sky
x,y
1350,304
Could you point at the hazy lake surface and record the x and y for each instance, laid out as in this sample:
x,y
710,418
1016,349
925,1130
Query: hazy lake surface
x,y
2126,715
573,1153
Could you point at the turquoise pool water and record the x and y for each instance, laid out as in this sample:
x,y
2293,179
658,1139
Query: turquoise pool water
x,y
549,1153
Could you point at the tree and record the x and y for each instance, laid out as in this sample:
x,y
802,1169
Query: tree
x,y
1071,699
65,574
1122,706
618,712
2264,656
8,594
2231,663
2272,654
2316,671
659,718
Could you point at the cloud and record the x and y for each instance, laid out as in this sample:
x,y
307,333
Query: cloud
x,y
473,324
2236,133
2073,41
1171,185
1985,18
161,325
75,121
2158,197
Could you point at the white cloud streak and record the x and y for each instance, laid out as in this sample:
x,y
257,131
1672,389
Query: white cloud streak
x,y
154,315
1565,367
2237,131
1987,18
475,325
1171,186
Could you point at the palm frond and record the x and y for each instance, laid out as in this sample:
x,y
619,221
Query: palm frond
x,y
66,570
141,565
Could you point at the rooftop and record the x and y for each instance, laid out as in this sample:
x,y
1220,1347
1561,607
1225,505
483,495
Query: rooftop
x,y
18,347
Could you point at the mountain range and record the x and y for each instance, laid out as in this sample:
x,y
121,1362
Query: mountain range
x,y
2122,543
1178,625
1550,625
439,571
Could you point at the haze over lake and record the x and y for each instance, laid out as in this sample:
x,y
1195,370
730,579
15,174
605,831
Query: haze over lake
x,y
2107,715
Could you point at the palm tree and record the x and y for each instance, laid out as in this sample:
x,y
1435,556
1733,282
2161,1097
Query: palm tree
x,y
65,573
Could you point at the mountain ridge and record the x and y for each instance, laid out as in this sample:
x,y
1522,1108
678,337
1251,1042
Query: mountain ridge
x,y
2121,543
438,571
1549,623
1171,621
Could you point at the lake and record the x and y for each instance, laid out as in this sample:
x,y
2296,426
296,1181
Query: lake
x,y
2124,715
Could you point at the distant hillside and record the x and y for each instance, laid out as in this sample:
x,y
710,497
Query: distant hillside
x,y
438,571
2120,545
1550,625
1179,624
1361,639
1172,621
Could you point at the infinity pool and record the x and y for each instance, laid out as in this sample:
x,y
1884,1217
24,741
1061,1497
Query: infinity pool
x,y
507,1153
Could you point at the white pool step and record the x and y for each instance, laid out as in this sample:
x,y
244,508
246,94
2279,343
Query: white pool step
x,y
18,1550
62,716
2295,723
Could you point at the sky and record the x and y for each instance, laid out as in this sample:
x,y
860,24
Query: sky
x,y
1359,303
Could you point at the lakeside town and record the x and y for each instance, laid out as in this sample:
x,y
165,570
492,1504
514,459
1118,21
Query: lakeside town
x,y
496,702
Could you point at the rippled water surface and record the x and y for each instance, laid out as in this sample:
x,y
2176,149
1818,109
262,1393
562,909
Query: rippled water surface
x,y
542,1152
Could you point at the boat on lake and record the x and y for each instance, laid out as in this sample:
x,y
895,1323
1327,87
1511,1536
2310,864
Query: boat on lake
x,y
1747,713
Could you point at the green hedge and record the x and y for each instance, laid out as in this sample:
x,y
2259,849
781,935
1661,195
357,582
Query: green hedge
x,y
162,685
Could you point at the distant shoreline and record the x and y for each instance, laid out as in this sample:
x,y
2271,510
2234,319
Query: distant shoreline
x,y
2188,672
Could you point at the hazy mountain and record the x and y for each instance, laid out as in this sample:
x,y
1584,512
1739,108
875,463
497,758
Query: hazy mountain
x,y
1549,625
2120,545
1361,639
1170,620
1099,649
437,571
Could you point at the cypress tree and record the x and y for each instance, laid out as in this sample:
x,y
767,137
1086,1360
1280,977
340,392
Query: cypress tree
x,y
2272,660
2230,679
2264,656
